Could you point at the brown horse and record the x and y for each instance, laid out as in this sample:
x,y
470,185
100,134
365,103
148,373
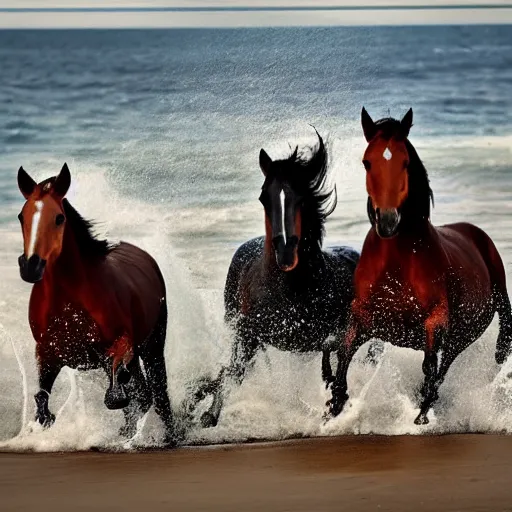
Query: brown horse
x,y
93,305
428,288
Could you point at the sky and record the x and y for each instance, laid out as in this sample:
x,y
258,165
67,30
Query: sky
x,y
230,13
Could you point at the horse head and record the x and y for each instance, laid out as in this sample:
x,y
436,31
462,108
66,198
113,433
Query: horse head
x,y
294,199
42,220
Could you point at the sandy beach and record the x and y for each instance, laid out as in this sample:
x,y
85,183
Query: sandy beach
x,y
446,473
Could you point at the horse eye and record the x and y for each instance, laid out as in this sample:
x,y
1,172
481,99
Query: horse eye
x,y
59,219
367,165
20,217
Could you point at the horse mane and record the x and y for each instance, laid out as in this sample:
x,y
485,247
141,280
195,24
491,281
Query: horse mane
x,y
88,243
420,196
83,230
309,177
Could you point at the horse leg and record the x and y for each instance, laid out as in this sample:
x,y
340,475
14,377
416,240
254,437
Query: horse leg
x,y
351,343
434,363
156,372
116,396
241,358
120,355
504,341
140,400
154,363
327,375
435,333
47,376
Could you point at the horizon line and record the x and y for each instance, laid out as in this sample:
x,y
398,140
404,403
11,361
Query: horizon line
x,y
270,8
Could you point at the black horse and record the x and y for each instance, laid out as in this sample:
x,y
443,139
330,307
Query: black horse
x,y
282,289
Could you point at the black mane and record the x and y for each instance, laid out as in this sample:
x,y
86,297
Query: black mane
x,y
83,230
420,196
309,177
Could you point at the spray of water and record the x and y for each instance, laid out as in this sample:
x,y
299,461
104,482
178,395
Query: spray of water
x,y
283,396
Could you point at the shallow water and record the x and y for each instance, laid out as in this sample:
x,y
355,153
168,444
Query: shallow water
x,y
162,129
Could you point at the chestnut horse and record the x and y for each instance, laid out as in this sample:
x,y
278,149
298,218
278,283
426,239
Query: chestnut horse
x,y
428,288
282,289
93,305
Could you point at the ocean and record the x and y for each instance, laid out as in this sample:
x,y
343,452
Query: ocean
x,y
161,130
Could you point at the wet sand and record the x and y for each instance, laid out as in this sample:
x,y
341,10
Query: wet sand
x,y
447,473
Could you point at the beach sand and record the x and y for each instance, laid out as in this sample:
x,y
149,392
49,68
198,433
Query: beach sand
x,y
441,473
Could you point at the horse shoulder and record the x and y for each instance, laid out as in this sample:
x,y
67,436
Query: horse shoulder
x,y
107,299
473,257
426,267
238,280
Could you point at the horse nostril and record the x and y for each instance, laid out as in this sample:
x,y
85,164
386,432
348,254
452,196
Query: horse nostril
x,y
387,222
31,269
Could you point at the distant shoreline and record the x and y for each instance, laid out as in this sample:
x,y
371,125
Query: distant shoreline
x,y
249,8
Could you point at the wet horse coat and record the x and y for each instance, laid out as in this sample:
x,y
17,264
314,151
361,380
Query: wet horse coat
x,y
93,305
283,290
428,288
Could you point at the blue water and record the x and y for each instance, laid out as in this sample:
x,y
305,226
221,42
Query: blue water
x,y
162,129
158,102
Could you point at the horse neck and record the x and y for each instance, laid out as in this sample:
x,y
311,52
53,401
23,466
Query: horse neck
x,y
310,245
414,225
70,269
415,221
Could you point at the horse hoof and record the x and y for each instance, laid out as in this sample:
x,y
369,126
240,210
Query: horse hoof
x,y
208,420
421,419
116,398
170,440
500,356
46,421
336,406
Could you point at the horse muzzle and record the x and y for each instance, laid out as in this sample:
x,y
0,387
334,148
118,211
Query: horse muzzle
x,y
287,256
387,221
31,269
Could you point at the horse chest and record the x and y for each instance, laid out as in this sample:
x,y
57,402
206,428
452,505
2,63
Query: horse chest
x,y
72,338
392,310
292,322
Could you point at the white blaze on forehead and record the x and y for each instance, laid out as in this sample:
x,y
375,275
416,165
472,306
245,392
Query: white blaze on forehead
x,y
387,154
35,227
281,197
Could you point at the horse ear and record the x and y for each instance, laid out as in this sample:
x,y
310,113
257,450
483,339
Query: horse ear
x,y
369,127
406,123
265,162
25,183
62,182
